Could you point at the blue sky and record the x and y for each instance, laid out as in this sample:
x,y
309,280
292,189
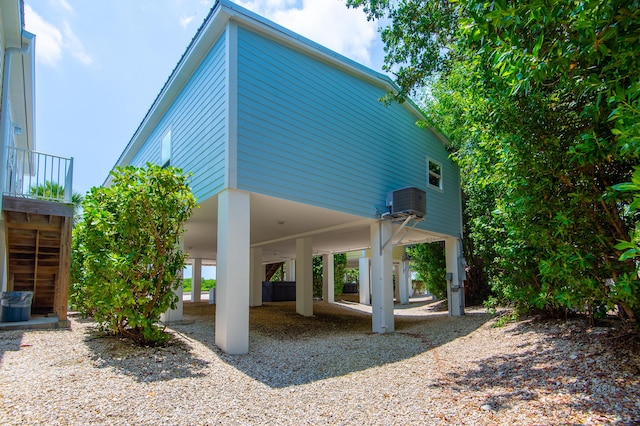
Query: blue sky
x,y
100,64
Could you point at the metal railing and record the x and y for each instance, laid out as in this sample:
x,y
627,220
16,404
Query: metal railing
x,y
32,174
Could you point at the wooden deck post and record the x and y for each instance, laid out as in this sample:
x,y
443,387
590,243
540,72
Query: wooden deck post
x,y
61,298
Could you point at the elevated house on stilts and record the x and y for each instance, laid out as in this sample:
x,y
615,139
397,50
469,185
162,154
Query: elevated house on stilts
x,y
294,156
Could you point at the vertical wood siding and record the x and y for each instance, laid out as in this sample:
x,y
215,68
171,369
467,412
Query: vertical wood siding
x,y
196,118
311,133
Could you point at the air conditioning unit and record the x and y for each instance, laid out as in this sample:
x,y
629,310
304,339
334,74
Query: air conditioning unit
x,y
407,201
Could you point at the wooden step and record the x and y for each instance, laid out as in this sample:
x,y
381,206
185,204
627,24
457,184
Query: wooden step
x,y
29,269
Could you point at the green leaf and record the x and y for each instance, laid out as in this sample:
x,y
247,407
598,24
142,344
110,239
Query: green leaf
x,y
626,187
622,245
538,45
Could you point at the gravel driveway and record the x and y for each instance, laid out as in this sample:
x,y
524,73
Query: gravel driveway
x,y
328,369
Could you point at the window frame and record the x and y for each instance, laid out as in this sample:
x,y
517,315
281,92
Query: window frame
x,y
439,176
165,151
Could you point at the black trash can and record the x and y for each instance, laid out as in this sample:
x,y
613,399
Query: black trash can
x,y
349,288
15,305
278,291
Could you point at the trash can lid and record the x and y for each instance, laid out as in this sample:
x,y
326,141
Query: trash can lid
x,y
16,296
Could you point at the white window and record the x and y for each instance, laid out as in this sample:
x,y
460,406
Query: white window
x,y
165,149
434,174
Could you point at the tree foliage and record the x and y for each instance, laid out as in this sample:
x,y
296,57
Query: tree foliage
x,y
206,284
339,270
55,192
429,261
541,101
126,261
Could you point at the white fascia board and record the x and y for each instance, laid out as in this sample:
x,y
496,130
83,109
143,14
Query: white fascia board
x,y
29,69
12,22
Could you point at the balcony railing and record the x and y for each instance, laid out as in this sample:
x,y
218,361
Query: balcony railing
x,y
32,174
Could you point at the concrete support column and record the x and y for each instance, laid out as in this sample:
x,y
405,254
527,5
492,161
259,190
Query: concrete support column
x,y
365,279
396,280
196,280
304,277
328,279
4,279
172,315
257,275
325,279
455,276
403,278
382,277
232,270
290,270
408,282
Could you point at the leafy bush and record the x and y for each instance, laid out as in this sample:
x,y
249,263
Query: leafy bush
x,y
627,286
429,261
541,103
352,276
126,259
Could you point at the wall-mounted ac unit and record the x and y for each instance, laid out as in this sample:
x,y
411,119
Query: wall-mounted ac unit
x,y
407,201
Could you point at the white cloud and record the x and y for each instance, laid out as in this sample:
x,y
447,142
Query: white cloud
x,y
75,47
190,10
52,42
327,22
186,20
64,4
49,37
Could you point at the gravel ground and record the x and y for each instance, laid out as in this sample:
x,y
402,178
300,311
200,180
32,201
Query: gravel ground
x,y
328,369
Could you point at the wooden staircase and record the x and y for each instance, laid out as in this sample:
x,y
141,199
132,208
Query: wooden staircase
x,y
271,269
38,237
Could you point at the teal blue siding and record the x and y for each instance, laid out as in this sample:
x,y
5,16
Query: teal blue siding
x,y
311,133
197,120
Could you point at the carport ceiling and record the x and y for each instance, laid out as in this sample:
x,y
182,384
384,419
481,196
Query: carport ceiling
x,y
276,223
